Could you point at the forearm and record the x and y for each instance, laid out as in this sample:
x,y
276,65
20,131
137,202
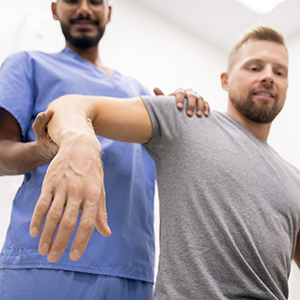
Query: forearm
x,y
124,120
19,158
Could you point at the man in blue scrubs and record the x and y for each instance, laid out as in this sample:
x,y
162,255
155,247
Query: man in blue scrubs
x,y
118,267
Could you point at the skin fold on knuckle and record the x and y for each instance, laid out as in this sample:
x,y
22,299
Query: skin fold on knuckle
x,y
41,208
191,106
94,193
54,215
68,224
87,225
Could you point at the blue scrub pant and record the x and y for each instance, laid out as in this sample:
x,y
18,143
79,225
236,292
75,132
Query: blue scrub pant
x,y
44,284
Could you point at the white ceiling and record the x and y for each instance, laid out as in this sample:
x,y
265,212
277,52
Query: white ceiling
x,y
221,22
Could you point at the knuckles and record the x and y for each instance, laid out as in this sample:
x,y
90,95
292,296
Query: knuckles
x,y
42,206
87,225
54,215
68,223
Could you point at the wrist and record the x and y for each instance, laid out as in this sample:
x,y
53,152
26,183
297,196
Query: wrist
x,y
43,156
81,141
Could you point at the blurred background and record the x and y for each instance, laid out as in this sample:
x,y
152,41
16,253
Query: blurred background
x,y
168,44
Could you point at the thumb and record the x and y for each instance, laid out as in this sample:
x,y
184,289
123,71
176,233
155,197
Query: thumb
x,y
158,92
101,218
42,119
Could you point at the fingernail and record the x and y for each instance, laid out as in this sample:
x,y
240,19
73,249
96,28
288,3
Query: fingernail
x,y
53,256
34,232
44,249
75,255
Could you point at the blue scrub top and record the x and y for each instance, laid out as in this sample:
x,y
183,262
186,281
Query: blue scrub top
x,y
29,81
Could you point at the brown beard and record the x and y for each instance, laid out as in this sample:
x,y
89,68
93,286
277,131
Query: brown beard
x,y
263,113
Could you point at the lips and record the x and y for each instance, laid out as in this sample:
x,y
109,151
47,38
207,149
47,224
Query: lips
x,y
84,21
264,93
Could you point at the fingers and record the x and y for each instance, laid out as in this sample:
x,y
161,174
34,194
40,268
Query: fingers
x,y
39,213
202,106
85,230
74,184
158,92
94,213
66,227
194,100
46,148
206,109
42,120
64,222
101,220
180,95
53,219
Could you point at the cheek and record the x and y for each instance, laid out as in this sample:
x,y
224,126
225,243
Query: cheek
x,y
62,19
283,89
283,95
240,87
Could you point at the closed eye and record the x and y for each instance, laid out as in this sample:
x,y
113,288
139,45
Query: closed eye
x,y
279,73
254,68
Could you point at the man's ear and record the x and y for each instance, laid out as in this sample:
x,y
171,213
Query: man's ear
x,y
224,81
53,8
109,13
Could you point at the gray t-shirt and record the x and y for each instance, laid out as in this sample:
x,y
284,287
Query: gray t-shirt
x,y
229,205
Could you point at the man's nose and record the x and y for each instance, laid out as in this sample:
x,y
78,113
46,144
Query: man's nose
x,y
84,8
267,75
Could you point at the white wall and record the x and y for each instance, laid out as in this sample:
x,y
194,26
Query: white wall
x,y
141,44
284,135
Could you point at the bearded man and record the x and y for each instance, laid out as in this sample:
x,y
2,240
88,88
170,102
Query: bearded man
x,y
229,203
119,267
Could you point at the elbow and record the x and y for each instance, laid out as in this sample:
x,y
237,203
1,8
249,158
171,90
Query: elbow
x,y
60,101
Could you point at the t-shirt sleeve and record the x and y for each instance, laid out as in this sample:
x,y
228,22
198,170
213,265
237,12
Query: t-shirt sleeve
x,y
167,123
17,89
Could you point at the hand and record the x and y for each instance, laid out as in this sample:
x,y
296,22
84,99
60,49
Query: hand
x,y
193,99
73,180
46,147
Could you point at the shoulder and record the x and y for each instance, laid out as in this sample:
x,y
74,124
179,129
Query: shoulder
x,y
133,83
29,54
159,103
27,58
16,57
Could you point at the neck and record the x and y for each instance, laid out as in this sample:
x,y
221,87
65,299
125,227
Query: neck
x,y
260,130
92,55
